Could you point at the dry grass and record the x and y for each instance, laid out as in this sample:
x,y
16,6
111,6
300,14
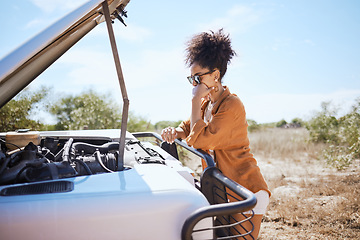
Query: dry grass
x,y
310,200
283,143
328,209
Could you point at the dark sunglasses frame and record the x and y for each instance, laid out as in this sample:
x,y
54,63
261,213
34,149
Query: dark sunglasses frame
x,y
196,78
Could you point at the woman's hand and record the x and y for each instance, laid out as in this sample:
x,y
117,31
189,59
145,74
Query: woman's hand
x,y
201,91
169,134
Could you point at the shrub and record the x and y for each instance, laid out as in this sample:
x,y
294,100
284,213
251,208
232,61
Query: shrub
x,y
281,123
297,122
341,134
163,124
323,127
252,125
338,156
18,113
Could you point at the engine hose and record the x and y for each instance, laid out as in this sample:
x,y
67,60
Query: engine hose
x,y
84,165
14,158
47,154
98,158
59,155
5,163
40,155
10,144
90,148
17,178
66,152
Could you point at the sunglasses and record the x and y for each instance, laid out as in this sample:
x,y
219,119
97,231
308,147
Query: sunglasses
x,y
196,78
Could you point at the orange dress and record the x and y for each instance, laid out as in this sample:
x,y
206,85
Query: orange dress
x,y
226,134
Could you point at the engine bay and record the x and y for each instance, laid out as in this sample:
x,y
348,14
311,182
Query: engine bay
x,y
56,158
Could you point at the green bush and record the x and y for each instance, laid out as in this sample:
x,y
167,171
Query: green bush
x,y
18,113
323,127
253,125
164,124
338,156
281,123
138,124
341,134
298,122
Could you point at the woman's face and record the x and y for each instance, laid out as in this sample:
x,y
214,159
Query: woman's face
x,y
207,76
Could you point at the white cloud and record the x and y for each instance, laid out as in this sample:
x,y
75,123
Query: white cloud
x,y
309,42
135,33
274,107
131,33
32,23
237,20
51,11
151,78
155,67
281,44
49,6
86,67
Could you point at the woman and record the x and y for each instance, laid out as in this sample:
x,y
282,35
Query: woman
x,y
218,122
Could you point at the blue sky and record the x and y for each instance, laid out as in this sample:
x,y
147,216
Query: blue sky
x,y
291,55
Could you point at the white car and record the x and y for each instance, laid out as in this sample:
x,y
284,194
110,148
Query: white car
x,y
101,184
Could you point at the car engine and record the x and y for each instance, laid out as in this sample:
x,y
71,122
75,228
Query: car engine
x,y
62,158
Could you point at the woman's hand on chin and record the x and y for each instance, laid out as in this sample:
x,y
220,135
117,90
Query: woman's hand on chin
x,y
201,91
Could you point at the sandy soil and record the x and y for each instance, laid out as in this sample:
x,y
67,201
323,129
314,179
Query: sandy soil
x,y
307,200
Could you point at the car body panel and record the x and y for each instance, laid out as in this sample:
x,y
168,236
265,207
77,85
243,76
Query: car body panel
x,y
123,205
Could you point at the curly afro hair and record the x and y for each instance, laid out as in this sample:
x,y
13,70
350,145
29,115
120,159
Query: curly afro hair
x,y
210,50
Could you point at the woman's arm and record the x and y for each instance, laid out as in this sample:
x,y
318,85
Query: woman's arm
x,y
200,92
169,134
195,111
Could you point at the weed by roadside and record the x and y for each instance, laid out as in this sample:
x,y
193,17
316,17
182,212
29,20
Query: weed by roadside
x,y
341,134
284,143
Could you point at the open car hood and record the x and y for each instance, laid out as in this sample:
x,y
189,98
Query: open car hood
x,y
19,68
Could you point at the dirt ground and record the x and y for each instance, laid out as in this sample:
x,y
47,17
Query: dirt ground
x,y
310,200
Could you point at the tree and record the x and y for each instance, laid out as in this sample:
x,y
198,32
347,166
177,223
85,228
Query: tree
x,y
281,123
163,124
18,112
86,111
324,126
138,124
297,122
252,125
90,110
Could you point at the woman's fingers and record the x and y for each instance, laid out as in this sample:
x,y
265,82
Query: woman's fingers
x,y
202,91
165,134
168,134
173,135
